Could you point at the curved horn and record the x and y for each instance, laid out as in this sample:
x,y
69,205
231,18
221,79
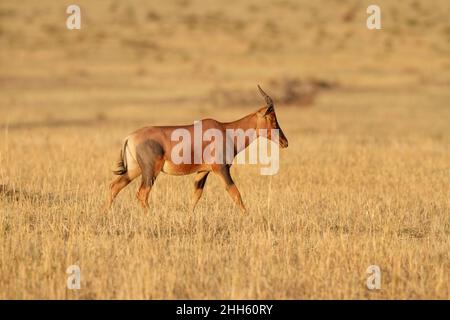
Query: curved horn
x,y
269,101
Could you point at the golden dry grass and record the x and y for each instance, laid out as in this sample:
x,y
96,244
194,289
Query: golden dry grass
x,y
364,181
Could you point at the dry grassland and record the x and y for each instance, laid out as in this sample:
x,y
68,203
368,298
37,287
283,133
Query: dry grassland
x,y
365,180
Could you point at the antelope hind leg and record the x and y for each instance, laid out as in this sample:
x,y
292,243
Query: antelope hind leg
x,y
149,155
119,183
115,186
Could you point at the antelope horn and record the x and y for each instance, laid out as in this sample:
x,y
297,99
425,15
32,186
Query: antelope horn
x,y
269,101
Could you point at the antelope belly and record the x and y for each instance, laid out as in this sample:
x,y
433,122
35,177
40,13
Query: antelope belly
x,y
181,169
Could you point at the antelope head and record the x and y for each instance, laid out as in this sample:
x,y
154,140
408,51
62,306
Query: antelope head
x,y
267,119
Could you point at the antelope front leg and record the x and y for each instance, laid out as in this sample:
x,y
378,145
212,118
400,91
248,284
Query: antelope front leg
x,y
199,184
223,172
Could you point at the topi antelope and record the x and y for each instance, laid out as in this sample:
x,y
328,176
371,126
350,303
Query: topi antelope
x,y
151,150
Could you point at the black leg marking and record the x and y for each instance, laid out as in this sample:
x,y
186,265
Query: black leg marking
x,y
200,184
225,173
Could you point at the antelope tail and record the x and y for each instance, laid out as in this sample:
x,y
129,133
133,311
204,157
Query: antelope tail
x,y
122,167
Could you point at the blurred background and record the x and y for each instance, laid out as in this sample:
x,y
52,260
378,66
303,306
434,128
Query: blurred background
x,y
364,180
147,56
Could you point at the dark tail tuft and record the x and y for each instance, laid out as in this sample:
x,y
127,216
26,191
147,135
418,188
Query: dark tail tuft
x,y
122,163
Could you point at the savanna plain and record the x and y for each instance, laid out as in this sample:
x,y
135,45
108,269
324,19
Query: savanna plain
x,y
365,179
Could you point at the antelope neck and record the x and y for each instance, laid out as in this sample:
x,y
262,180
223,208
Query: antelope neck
x,y
245,123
